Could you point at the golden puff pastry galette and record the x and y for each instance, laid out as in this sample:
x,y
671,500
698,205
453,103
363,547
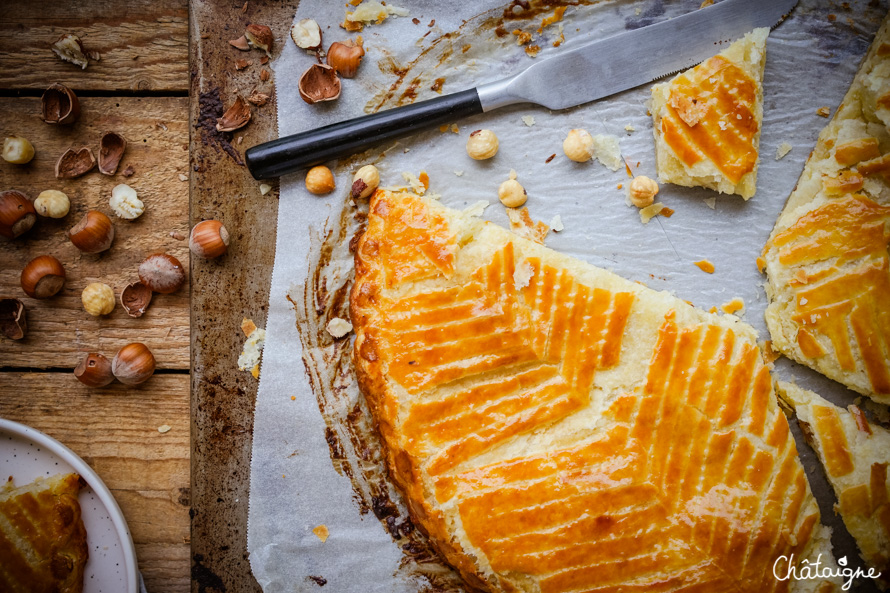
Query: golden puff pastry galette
x,y
557,428
826,261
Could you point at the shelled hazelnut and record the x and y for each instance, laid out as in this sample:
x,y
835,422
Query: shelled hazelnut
x,y
319,180
125,203
97,299
17,150
482,145
365,181
52,203
306,34
642,191
578,146
512,194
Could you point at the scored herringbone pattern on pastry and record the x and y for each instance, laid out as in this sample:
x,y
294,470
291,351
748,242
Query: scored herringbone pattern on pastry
x,y
679,474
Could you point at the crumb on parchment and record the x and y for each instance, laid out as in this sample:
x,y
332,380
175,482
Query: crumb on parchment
x,y
322,533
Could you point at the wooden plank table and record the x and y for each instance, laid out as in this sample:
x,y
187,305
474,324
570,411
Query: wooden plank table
x,y
138,88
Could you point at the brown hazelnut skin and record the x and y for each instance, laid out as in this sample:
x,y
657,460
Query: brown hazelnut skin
x,y
209,238
93,234
133,364
162,273
43,277
345,57
94,370
17,214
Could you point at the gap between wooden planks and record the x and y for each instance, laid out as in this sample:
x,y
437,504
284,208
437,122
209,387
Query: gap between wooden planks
x,y
115,430
60,331
142,44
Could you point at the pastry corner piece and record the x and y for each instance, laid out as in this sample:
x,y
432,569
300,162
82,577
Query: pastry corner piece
x,y
554,427
855,455
826,261
43,541
707,120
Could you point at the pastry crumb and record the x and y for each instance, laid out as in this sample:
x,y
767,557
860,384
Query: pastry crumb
x,y
607,151
556,224
769,355
322,533
459,173
250,355
705,266
522,224
338,327
528,120
650,212
265,188
823,111
733,306
711,203
522,275
629,128
477,209
164,428
417,185
247,326
783,149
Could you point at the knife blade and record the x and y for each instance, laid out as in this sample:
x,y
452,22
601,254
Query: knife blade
x,y
573,77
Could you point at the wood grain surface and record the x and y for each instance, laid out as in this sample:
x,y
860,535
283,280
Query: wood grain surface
x,y
222,396
60,330
115,431
142,44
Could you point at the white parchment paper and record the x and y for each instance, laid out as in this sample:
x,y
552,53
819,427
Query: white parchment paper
x,y
811,60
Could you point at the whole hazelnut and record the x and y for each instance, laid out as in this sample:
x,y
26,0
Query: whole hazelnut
x,y
43,277
319,180
93,234
133,364
94,370
162,273
365,181
345,57
306,34
641,191
98,299
125,203
578,146
512,194
17,214
209,238
52,204
482,144
17,150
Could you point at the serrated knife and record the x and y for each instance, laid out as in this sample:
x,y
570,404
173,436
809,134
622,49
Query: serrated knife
x,y
573,77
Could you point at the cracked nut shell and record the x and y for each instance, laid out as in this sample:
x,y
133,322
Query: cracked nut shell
x,y
345,57
13,319
111,150
94,370
235,116
93,234
74,163
306,34
319,83
135,299
17,214
43,277
59,105
260,36
133,364
162,273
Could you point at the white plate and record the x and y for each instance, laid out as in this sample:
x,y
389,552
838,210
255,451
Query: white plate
x,y
26,454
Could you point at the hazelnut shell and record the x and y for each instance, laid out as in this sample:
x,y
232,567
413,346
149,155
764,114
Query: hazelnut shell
x,y
13,319
240,43
133,364
74,163
319,83
162,273
235,116
60,105
260,36
94,370
345,57
93,234
209,239
17,214
43,277
111,150
135,299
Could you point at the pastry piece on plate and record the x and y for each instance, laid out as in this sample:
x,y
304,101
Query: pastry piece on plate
x,y
826,260
555,427
707,120
855,455
43,542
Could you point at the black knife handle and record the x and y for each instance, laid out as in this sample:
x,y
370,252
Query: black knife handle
x,y
286,155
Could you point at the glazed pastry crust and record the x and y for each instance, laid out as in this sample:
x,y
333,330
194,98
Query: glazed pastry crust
x,y
855,455
826,260
43,545
554,427
707,120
